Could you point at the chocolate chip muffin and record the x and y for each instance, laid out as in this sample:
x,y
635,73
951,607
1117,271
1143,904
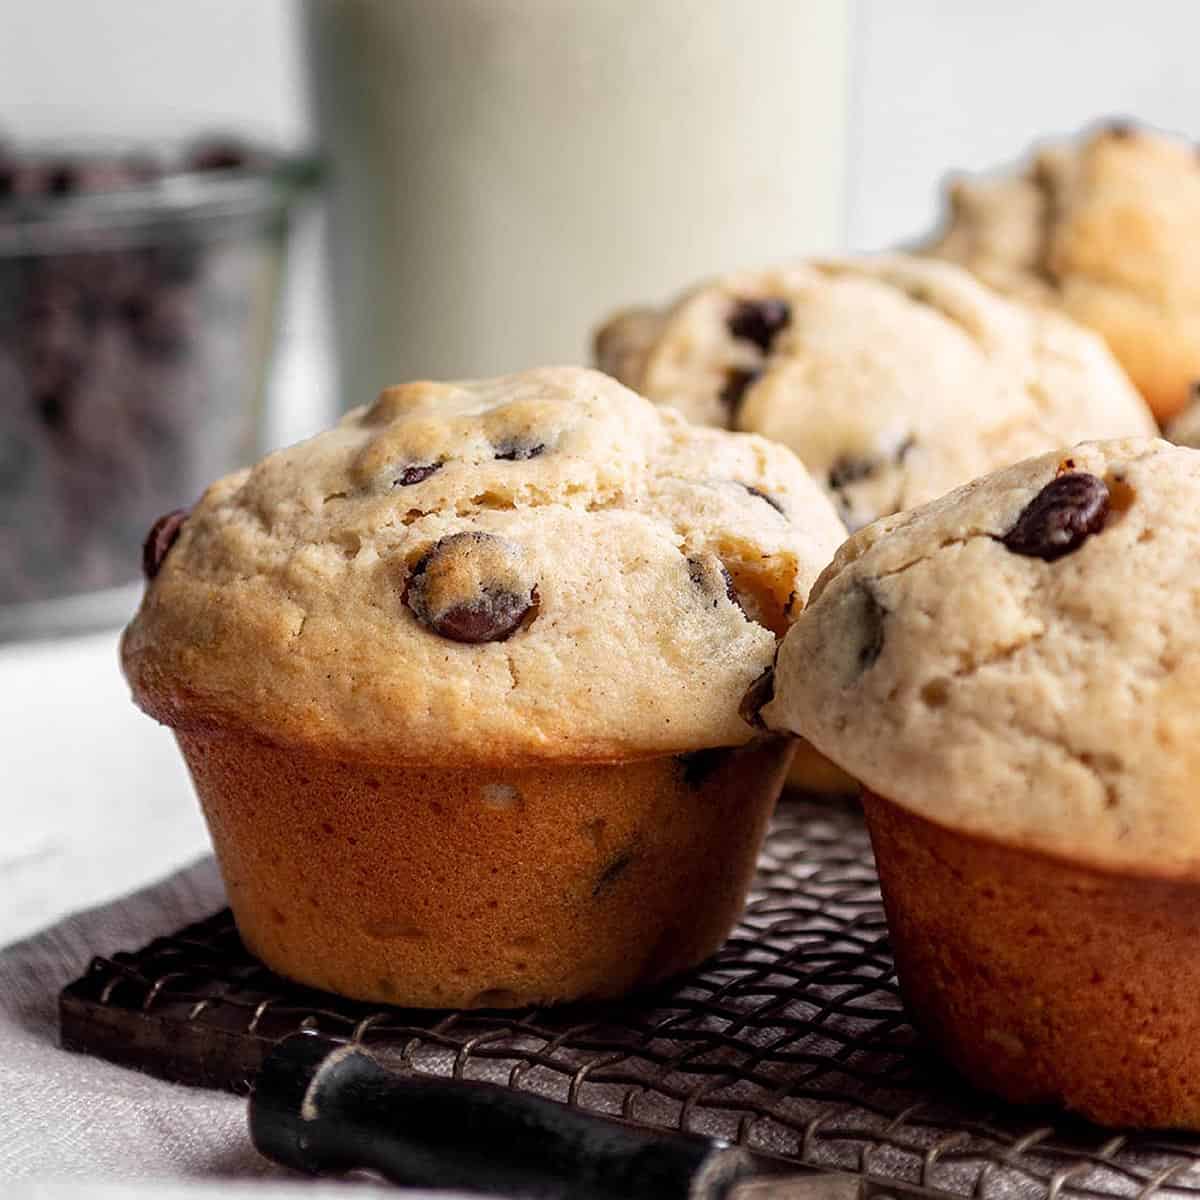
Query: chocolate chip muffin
x,y
893,378
1103,228
1012,673
458,685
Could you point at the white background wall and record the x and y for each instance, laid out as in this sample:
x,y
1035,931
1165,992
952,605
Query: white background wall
x,y
970,83
150,67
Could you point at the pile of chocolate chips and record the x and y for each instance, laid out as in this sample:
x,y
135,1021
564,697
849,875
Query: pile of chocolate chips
x,y
128,369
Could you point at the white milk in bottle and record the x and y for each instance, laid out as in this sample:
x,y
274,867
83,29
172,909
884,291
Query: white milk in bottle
x,y
506,172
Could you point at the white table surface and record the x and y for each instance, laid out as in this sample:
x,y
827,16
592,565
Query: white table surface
x,y
94,798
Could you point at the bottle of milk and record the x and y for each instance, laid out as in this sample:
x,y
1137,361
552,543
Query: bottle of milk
x,y
506,172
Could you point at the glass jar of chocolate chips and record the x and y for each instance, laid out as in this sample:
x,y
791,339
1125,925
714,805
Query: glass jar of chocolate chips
x,y
137,302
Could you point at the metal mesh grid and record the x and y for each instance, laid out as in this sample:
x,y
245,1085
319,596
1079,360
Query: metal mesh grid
x,y
792,1041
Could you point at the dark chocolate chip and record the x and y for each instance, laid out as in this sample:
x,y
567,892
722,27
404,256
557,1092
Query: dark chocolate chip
x,y
518,451
699,766
767,497
737,381
493,614
612,872
760,693
700,572
411,475
847,470
162,536
1060,518
493,618
1121,128
730,590
759,321
871,616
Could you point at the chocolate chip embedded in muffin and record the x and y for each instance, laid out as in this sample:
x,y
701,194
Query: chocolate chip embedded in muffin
x,y
1060,518
162,536
761,495
416,474
519,450
712,577
473,587
737,381
850,469
758,695
759,321
869,619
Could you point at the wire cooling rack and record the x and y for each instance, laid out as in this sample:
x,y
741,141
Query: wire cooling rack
x,y
793,1041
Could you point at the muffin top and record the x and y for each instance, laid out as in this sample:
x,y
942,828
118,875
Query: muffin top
x,y
537,567
1020,659
893,378
1104,228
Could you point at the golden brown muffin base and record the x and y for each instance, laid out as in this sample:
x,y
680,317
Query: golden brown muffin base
x,y
1043,981
811,772
471,887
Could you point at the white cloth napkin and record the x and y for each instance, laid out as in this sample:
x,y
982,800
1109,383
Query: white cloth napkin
x,y
74,1126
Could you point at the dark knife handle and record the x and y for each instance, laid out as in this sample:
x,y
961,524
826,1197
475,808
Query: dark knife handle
x,y
320,1105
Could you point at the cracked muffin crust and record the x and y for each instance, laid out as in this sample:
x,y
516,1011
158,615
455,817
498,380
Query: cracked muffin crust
x,y
1105,230
542,566
1019,660
894,378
